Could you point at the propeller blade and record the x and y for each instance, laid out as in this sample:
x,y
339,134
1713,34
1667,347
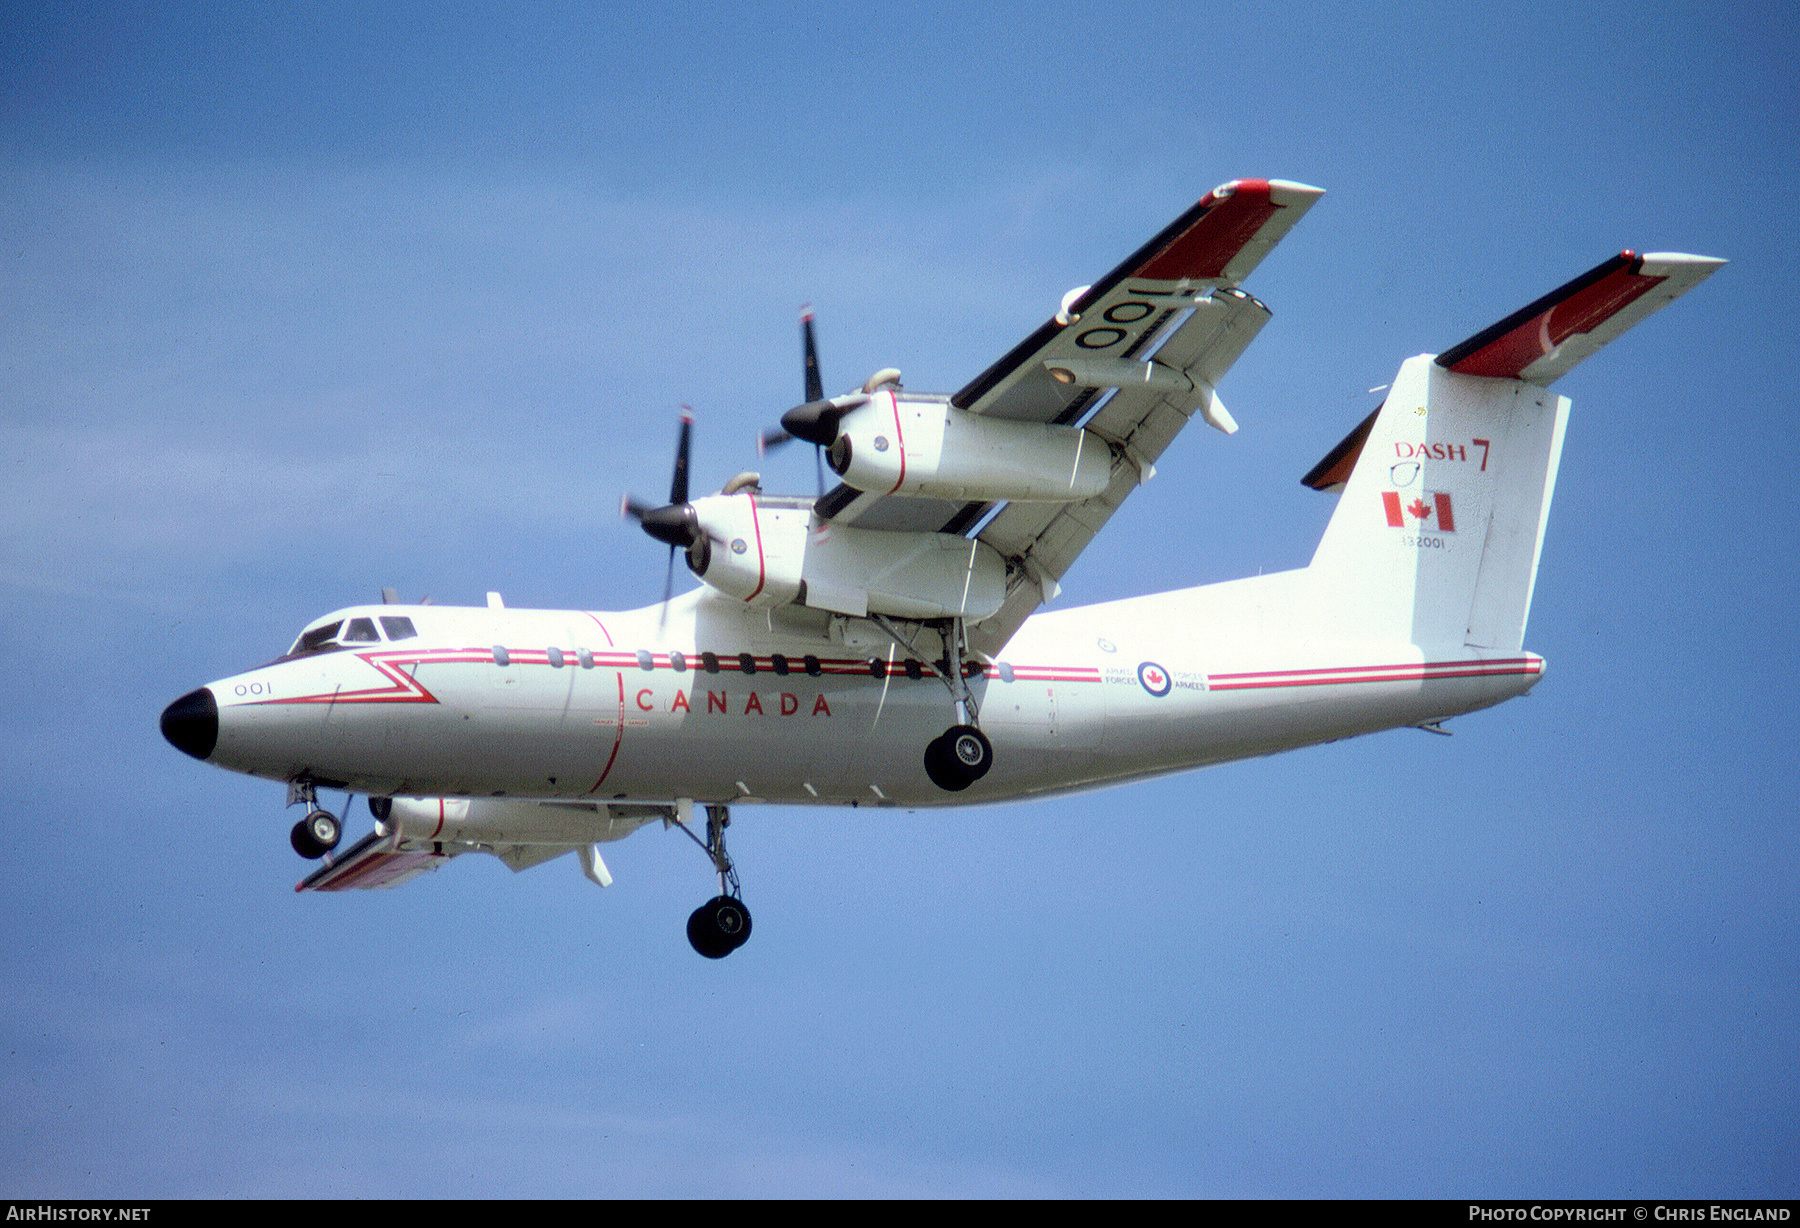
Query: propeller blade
x,y
769,440
676,522
678,488
668,590
815,387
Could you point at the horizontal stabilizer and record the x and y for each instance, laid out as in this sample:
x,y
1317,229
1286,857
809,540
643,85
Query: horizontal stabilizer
x,y
1333,472
1542,342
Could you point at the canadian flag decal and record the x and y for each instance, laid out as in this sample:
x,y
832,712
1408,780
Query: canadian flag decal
x,y
1428,509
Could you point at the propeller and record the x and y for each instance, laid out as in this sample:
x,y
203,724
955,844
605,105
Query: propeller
x,y
675,523
816,419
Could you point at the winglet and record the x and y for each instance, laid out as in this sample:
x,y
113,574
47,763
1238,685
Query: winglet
x,y
1544,341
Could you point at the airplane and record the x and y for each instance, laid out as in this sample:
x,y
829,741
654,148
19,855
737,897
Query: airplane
x,y
884,643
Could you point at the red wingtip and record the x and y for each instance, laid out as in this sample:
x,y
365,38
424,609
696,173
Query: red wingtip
x,y
1225,191
1234,212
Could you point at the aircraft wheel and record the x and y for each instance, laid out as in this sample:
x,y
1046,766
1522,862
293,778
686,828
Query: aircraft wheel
x,y
958,758
719,927
325,828
971,751
316,835
942,771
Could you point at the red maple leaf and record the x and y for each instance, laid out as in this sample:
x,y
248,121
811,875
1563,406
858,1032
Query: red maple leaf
x,y
1419,508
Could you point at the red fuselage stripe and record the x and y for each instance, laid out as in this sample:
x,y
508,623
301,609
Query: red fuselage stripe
x,y
407,690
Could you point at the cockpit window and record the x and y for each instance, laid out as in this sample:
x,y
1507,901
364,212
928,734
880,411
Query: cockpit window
x,y
319,639
335,637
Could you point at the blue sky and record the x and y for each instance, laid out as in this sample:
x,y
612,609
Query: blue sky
x,y
297,306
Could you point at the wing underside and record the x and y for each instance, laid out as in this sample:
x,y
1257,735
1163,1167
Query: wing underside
x,y
421,834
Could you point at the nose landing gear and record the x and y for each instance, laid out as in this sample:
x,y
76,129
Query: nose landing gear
x,y
319,832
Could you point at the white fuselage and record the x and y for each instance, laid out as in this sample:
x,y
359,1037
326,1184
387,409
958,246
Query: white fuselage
x,y
477,703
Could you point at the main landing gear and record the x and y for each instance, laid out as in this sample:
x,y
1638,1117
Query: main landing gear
x,y
958,757
962,754
319,832
722,924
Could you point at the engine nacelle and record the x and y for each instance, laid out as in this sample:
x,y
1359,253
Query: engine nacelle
x,y
751,547
928,448
769,552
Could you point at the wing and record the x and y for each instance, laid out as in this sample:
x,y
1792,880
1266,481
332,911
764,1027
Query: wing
x,y
417,837
379,859
1132,357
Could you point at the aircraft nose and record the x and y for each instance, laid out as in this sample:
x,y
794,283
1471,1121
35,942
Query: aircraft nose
x,y
191,723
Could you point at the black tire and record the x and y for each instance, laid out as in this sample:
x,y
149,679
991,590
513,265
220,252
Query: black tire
x,y
731,919
325,828
719,927
301,838
958,757
941,768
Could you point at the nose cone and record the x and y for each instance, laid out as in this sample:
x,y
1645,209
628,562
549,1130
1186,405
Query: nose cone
x,y
191,723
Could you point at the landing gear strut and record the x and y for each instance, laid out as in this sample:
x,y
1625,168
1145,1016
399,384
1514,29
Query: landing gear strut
x,y
319,832
722,924
962,754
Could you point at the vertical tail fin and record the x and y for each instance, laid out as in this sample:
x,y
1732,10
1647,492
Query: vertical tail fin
x,y
1447,487
1436,536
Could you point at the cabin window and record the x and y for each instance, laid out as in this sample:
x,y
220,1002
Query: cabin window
x,y
1006,671
877,667
746,662
709,661
812,665
779,664
585,657
556,657
645,660
361,631
678,662
501,656
914,670
398,627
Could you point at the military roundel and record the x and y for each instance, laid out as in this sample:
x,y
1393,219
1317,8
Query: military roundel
x,y
1154,678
